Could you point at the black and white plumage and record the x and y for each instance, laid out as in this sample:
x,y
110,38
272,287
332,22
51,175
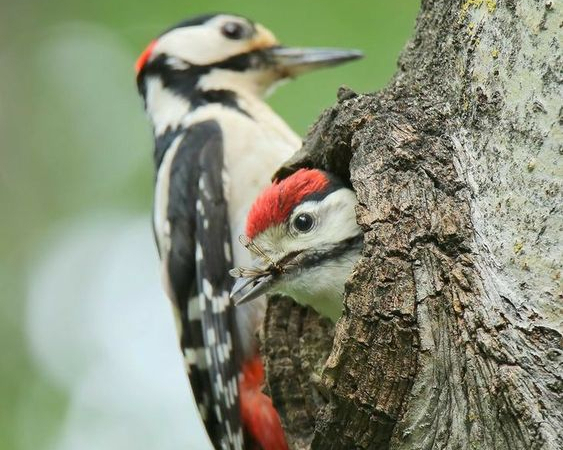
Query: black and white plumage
x,y
199,285
216,146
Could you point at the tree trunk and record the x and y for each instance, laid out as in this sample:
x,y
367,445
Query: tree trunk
x,y
451,332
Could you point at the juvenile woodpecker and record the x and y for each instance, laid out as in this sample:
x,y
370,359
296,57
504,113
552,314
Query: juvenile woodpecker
x,y
216,145
303,235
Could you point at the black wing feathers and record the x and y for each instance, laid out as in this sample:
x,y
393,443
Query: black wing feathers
x,y
198,265
213,234
184,174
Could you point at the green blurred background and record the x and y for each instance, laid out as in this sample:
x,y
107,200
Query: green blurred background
x,y
76,190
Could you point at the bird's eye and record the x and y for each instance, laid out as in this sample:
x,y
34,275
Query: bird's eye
x,y
233,30
303,222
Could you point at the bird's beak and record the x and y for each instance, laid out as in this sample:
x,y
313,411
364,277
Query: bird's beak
x,y
246,289
295,61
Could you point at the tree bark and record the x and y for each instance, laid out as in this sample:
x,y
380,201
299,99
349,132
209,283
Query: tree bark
x,y
451,334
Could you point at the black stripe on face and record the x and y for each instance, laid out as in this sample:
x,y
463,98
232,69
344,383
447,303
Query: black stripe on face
x,y
294,262
183,82
310,258
159,66
226,98
252,60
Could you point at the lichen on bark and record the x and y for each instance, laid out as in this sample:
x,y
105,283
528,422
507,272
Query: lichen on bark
x,y
451,332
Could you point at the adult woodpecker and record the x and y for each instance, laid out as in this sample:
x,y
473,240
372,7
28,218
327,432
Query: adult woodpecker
x,y
303,235
216,145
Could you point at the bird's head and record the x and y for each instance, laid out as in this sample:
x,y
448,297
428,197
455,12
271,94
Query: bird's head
x,y
303,235
223,51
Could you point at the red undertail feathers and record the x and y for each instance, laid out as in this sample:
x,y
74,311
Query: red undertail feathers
x,y
260,419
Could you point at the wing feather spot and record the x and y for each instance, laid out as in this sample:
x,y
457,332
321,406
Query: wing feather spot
x,y
207,288
194,310
198,252
211,336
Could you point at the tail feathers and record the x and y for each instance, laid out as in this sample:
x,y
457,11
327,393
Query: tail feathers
x,y
259,417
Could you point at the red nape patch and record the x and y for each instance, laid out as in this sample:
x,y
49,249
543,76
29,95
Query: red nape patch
x,y
276,202
259,418
142,60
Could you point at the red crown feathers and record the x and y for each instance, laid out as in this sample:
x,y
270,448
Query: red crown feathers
x,y
276,202
144,57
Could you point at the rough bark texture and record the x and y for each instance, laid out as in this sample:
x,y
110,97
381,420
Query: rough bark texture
x,y
451,335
